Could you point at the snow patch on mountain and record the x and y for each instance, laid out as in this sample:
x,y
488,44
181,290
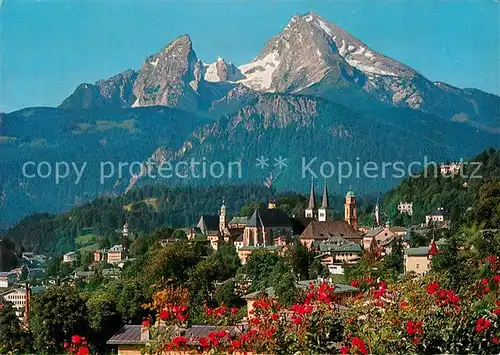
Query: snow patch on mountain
x,y
258,74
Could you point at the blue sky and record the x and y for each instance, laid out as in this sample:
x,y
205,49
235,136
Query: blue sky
x,y
49,47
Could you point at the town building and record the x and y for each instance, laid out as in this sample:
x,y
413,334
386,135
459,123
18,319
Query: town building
x,y
7,279
238,222
310,211
450,169
406,207
440,218
380,234
20,299
337,252
116,254
317,232
99,256
418,260
69,257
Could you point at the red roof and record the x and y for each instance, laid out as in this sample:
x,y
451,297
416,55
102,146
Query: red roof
x,y
433,250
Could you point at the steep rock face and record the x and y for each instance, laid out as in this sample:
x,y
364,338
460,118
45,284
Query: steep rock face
x,y
221,71
116,92
170,77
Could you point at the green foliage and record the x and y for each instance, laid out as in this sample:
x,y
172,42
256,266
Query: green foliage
x,y
457,193
103,318
13,339
56,315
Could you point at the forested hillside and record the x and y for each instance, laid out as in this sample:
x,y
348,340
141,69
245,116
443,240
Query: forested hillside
x,y
473,197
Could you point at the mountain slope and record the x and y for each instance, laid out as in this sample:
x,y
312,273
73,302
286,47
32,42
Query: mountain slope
x,y
79,137
301,127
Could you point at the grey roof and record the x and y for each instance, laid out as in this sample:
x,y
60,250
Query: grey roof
x,y
266,247
349,248
373,232
269,218
239,220
131,335
196,332
6,273
440,212
419,251
211,222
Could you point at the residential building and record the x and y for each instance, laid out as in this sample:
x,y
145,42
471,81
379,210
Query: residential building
x,y
380,234
69,257
438,218
317,232
418,260
337,252
450,169
19,296
99,256
7,279
405,207
116,254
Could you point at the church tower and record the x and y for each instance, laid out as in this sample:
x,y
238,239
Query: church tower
x,y
223,217
325,206
350,211
310,211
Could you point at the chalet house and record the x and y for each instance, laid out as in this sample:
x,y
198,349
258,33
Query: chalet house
x,y
418,260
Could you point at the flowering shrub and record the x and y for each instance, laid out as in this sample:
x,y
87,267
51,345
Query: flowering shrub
x,y
414,315
77,346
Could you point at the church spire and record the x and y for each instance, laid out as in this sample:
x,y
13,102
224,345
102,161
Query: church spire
x,y
310,211
324,203
312,200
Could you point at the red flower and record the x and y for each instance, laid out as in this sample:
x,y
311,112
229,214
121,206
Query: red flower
x,y
497,279
1,306
66,345
76,339
383,284
403,304
236,344
181,317
183,309
416,341
344,350
145,323
431,288
414,328
179,341
496,311
234,310
482,324
297,320
204,342
359,343
220,333
494,340
274,316
164,314
83,351
354,283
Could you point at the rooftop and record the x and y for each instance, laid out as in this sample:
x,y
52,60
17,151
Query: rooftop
x,y
339,288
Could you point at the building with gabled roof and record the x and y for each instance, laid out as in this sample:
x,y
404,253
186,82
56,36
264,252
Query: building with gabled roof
x,y
317,231
419,260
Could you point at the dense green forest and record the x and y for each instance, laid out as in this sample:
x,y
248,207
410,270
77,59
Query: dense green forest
x,y
473,196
